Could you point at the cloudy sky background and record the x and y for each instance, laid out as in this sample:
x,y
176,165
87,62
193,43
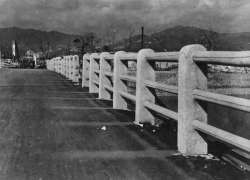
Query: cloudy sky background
x,y
79,16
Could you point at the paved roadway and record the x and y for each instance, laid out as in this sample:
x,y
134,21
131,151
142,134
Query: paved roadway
x,y
51,129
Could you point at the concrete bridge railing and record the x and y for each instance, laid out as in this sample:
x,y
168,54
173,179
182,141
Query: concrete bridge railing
x,y
192,90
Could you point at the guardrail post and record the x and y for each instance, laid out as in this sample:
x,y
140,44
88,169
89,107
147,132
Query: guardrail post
x,y
93,65
65,66
71,67
62,66
68,60
119,69
191,77
144,72
104,66
75,69
85,70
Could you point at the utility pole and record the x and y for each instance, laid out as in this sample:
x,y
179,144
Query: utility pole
x,y
142,34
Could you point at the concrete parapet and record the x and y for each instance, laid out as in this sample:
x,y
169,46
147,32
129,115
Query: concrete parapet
x,y
191,77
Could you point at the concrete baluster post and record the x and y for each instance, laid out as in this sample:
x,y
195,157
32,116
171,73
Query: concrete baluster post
x,y
144,72
85,70
67,67
62,65
76,69
191,76
70,67
104,67
119,69
59,65
92,76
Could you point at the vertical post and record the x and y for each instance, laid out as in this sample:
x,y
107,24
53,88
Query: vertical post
x,y
93,66
62,65
71,67
191,77
85,70
119,69
104,67
144,72
142,36
67,67
75,69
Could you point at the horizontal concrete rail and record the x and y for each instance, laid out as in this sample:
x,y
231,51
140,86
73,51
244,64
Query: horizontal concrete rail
x,y
163,56
109,74
163,111
224,100
224,136
97,71
162,87
96,82
128,57
128,78
109,88
227,58
128,96
109,57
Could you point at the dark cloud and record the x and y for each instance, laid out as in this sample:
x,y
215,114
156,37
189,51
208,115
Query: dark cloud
x,y
79,16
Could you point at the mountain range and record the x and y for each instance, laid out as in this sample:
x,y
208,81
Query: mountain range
x,y
172,39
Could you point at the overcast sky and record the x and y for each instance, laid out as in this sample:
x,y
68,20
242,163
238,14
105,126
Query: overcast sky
x,y
79,16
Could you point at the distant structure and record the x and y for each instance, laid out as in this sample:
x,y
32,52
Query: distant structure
x,y
15,54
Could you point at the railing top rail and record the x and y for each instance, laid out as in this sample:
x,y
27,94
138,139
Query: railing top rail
x,y
128,57
224,100
230,58
86,56
162,86
163,56
95,55
224,136
109,56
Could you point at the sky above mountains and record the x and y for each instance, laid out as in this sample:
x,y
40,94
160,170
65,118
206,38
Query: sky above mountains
x,y
79,16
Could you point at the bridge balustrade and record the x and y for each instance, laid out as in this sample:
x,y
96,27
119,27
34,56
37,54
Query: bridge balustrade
x,y
192,90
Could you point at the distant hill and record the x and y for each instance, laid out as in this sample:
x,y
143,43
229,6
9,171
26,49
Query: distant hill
x,y
173,39
31,39
177,37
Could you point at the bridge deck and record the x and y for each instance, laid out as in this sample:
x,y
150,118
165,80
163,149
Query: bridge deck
x,y
51,129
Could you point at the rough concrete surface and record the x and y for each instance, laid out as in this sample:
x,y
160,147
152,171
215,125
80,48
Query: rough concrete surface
x,y
51,129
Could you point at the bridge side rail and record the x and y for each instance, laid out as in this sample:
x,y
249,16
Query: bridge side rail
x,y
192,116
191,90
